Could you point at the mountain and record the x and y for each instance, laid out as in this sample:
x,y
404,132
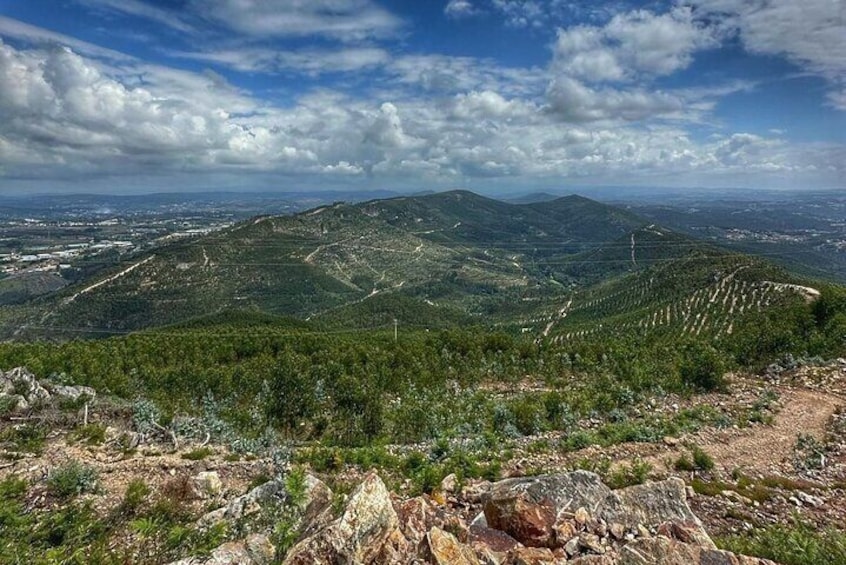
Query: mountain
x,y
435,260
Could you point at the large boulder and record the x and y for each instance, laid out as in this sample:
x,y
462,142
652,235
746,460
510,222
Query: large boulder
x,y
417,516
24,389
653,504
317,500
73,392
359,535
544,511
528,508
255,550
442,548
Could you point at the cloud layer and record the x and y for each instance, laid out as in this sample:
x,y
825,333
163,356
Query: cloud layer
x,y
593,114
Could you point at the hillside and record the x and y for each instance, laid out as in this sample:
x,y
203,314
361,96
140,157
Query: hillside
x,y
435,260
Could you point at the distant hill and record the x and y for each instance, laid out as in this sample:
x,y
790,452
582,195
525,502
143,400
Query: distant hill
x,y
435,260
533,197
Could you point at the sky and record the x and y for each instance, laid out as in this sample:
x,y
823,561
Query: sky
x,y
128,96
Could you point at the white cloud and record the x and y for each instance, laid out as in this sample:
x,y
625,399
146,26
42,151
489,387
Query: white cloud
x,y
340,19
15,29
65,115
144,10
489,105
454,75
524,13
460,9
811,33
573,101
307,61
630,45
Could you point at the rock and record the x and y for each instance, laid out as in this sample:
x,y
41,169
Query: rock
x,y
368,520
318,498
23,387
617,530
607,559
527,521
442,548
566,491
564,532
531,556
417,516
526,508
208,484
590,542
811,500
255,550
457,527
449,484
396,549
736,497
652,504
260,549
572,547
73,392
479,520
496,540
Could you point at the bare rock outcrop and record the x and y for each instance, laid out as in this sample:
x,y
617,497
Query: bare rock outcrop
x,y
359,535
552,519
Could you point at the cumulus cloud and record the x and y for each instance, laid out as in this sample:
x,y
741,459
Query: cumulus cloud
x,y
573,101
632,44
460,9
64,114
811,33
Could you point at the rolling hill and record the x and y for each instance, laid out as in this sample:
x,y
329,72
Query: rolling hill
x,y
561,268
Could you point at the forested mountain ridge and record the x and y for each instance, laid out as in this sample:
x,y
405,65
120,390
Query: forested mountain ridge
x,y
434,260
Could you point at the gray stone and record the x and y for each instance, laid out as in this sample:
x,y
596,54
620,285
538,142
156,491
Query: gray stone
x,y
358,535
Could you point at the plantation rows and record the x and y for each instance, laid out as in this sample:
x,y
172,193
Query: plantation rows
x,y
650,303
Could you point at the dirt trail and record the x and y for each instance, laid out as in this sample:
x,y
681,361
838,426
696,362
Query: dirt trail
x,y
766,448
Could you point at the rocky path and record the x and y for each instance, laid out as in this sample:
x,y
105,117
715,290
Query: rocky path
x,y
765,447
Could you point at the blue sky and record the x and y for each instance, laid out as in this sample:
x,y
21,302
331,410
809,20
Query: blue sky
x,y
490,95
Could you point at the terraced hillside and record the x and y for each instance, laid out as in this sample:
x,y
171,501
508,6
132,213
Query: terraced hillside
x,y
564,268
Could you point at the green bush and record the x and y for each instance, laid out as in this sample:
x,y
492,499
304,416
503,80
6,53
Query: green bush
x,y
135,495
635,473
797,544
702,367
71,479
701,460
198,454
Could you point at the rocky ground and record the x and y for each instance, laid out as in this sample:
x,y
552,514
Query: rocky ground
x,y
788,463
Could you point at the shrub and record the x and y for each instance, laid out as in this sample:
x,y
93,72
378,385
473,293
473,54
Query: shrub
x,y
71,479
701,460
136,492
684,464
92,434
702,367
797,544
635,473
808,453
198,454
698,460
28,438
